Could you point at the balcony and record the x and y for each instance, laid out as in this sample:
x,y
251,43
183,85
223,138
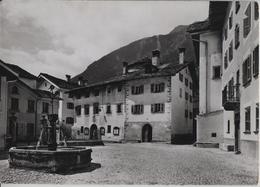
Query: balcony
x,y
231,97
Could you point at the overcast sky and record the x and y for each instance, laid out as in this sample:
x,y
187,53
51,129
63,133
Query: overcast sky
x,y
64,37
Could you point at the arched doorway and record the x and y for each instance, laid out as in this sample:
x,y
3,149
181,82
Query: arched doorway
x,y
147,132
93,132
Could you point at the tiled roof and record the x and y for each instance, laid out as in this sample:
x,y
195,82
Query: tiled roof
x,y
198,26
59,82
21,72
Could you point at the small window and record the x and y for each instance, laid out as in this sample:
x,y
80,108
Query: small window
x,y
78,132
109,129
119,88
228,126
247,21
256,61
157,88
86,131
78,96
95,108
137,109
157,108
45,107
87,93
256,10
108,108
78,110
214,134
216,72
191,85
86,109
237,42
96,93
180,77
70,106
191,98
186,96
237,6
230,51
70,95
15,104
230,20
109,90
180,94
81,129
257,117
136,90
102,131
116,131
247,70
186,82
226,60
14,90
247,120
69,120
186,113
31,105
191,115
225,33
119,108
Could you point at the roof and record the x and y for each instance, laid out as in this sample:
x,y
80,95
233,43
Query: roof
x,y
162,70
21,72
45,94
59,82
198,26
6,71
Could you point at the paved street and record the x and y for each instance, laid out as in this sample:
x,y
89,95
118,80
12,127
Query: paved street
x,y
148,163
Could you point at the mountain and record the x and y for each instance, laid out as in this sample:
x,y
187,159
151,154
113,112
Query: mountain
x,y
111,64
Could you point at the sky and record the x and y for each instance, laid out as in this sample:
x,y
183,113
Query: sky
x,y
61,37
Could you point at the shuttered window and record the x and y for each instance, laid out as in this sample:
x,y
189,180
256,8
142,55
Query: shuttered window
x,y
247,20
247,71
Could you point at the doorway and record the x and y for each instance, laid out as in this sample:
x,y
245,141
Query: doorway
x,y
147,132
93,132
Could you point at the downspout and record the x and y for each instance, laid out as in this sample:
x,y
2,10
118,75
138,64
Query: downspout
x,y
206,57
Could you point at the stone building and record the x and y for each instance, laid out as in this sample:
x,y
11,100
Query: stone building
x,y
150,101
233,29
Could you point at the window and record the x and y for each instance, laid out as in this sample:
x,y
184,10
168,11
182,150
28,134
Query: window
x,y
257,117
247,20
230,51
213,134
86,131
191,85
86,109
237,6
231,90
230,20
180,77
69,120
157,108
237,36
216,72
14,90
190,115
225,33
228,126
70,95
102,131
87,93
45,107
116,131
137,90
119,108
186,82
15,104
156,88
191,98
95,108
186,96
247,120
256,10
180,93
70,106
78,96
256,61
119,88
137,109
31,104
226,60
109,90
108,109
78,110
96,93
81,129
186,113
109,129
247,70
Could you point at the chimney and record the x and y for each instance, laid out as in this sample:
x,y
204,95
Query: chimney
x,y
181,55
125,64
68,78
156,57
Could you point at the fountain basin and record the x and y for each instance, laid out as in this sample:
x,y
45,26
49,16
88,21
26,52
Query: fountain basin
x,y
63,159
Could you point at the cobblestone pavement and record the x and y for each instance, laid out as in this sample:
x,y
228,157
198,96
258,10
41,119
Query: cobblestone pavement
x,y
148,163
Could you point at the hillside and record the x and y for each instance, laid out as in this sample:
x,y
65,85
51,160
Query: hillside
x,y
111,64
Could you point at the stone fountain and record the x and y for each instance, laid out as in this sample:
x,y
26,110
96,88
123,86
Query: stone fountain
x,y
47,154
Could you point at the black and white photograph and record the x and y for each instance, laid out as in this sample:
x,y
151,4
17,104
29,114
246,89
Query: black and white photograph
x,y
129,92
